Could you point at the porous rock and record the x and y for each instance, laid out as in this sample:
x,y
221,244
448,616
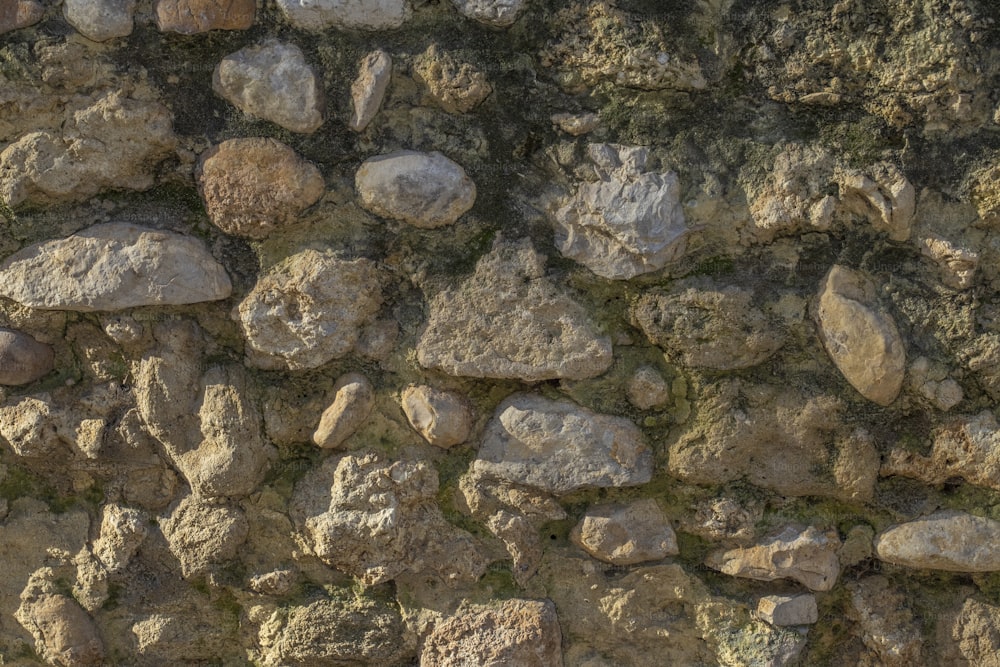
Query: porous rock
x,y
252,186
626,222
426,190
201,535
455,86
626,534
65,635
471,330
272,81
888,628
352,404
946,540
443,418
369,88
647,389
366,15
808,556
123,530
308,309
977,631
113,266
100,20
17,14
22,358
189,17
558,447
497,13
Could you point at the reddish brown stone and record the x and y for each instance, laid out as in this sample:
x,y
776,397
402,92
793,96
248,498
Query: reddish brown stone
x,y
193,16
17,14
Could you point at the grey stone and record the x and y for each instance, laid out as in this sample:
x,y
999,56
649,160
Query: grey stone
x,y
626,534
352,14
498,13
647,389
22,358
788,609
947,540
369,88
100,20
17,14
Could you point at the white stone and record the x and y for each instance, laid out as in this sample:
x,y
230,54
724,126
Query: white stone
x,y
788,609
353,14
947,540
113,266
443,418
499,13
369,88
809,556
272,81
100,20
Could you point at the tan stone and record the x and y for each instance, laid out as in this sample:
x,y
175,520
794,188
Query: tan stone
x,y
788,609
355,398
977,631
626,534
369,88
946,540
808,556
455,86
647,389
443,418
189,17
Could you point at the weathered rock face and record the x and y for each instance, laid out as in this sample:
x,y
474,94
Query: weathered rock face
x,y
100,20
111,267
975,630
308,310
272,81
515,632
557,446
788,609
123,530
189,17
253,186
202,535
22,358
807,556
455,86
627,222
368,15
860,338
626,534
497,13
426,190
470,331
353,402
647,389
947,540
17,14
888,628
64,634
369,88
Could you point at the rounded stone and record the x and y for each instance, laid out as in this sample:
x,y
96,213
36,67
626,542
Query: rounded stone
x,y
22,358
441,417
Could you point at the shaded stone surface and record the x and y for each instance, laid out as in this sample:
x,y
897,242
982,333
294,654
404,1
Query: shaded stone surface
x,y
947,540
626,534
352,14
808,556
189,17
22,358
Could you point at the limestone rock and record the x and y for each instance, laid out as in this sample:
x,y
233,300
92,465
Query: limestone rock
x,y
794,195
113,266
31,426
254,185
116,142
626,534
946,540
376,519
508,321
956,264
308,310
976,631
272,81
202,535
123,530
353,403
191,627
512,632
100,20
647,389
862,341
808,556
576,124
17,14
497,13
367,15
455,86
888,628
700,324
426,190
886,198
64,633
189,17
369,88
22,358
788,609
443,418
558,447
625,223
723,518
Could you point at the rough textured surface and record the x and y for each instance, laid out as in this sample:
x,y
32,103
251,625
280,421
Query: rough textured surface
x,y
426,190
947,540
469,331
976,631
64,634
443,418
22,358
807,556
367,15
111,267
369,88
202,535
497,13
272,81
189,17
352,404
100,20
788,609
253,186
17,14
626,534
455,86
888,628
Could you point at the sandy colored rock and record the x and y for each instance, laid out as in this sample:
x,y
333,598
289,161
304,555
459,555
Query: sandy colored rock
x,y
114,143
100,20
369,88
860,338
788,609
647,389
353,403
64,633
888,628
957,265
513,632
367,15
470,330
626,534
497,13
189,17
272,81
22,358
723,518
977,631
17,14
558,447
202,535
376,519
253,186
308,310
701,324
32,426
443,418
113,266
885,197
947,540
426,190
625,223
455,86
123,530
577,124
805,555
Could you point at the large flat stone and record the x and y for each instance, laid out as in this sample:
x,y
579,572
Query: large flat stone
x,y
948,540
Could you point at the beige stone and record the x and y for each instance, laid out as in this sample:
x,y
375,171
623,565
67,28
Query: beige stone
x,y
369,88
976,631
626,534
956,264
887,626
17,14
201,535
947,540
788,609
647,389
808,556
189,17
366,15
443,418
354,401
885,197
496,13
455,86
65,634
22,358
577,124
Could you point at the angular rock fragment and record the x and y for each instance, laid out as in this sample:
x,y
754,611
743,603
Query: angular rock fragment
x,y
355,398
443,418
946,540
723,519
454,86
558,447
272,81
885,197
576,124
367,15
508,321
860,338
32,426
788,609
426,190
369,88
202,535
626,534
253,186
123,530
976,632
956,264
625,223
497,13
808,556
64,633
189,17
888,628
22,358
17,14
100,20
308,309
512,632
113,266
